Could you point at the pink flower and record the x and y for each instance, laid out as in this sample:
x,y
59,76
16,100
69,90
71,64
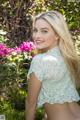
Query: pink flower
x,y
4,50
26,46
17,50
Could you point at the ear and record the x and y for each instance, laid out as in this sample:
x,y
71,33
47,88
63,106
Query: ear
x,y
57,36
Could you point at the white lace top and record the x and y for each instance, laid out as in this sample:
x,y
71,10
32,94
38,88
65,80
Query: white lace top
x,y
51,70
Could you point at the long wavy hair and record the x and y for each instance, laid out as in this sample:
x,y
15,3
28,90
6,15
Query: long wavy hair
x,y
66,46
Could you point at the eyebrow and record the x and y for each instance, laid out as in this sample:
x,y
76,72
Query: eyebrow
x,y
44,28
41,28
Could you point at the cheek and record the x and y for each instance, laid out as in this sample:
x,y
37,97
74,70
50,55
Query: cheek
x,y
50,39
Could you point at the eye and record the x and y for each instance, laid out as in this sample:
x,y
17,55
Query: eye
x,y
34,30
44,31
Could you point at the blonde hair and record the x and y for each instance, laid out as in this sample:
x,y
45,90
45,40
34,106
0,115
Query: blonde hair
x,y
66,46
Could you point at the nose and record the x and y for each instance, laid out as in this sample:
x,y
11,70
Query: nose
x,y
37,35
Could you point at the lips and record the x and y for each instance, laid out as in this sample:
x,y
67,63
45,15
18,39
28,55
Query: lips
x,y
39,42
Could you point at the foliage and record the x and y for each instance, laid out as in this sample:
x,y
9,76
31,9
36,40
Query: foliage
x,y
13,84
15,20
10,114
11,60
15,16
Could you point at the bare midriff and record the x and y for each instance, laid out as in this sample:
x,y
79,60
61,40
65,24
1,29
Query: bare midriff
x,y
65,111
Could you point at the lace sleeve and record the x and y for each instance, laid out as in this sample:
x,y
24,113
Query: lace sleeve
x,y
36,67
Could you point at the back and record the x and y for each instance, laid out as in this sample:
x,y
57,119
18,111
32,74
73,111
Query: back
x,y
57,86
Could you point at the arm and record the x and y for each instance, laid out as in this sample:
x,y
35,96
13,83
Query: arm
x,y
33,90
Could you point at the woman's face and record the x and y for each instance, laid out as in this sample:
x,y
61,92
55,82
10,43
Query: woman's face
x,y
43,35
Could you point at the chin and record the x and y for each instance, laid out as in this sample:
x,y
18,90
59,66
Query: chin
x,y
40,48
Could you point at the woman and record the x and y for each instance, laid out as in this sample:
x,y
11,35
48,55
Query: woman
x,y
54,73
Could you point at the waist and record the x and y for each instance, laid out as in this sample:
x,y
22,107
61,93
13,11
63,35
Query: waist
x,y
69,111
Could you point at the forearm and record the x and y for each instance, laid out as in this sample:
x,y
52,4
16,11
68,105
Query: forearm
x,y
30,115
30,111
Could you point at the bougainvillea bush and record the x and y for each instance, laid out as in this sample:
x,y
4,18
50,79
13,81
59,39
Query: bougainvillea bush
x,y
14,65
